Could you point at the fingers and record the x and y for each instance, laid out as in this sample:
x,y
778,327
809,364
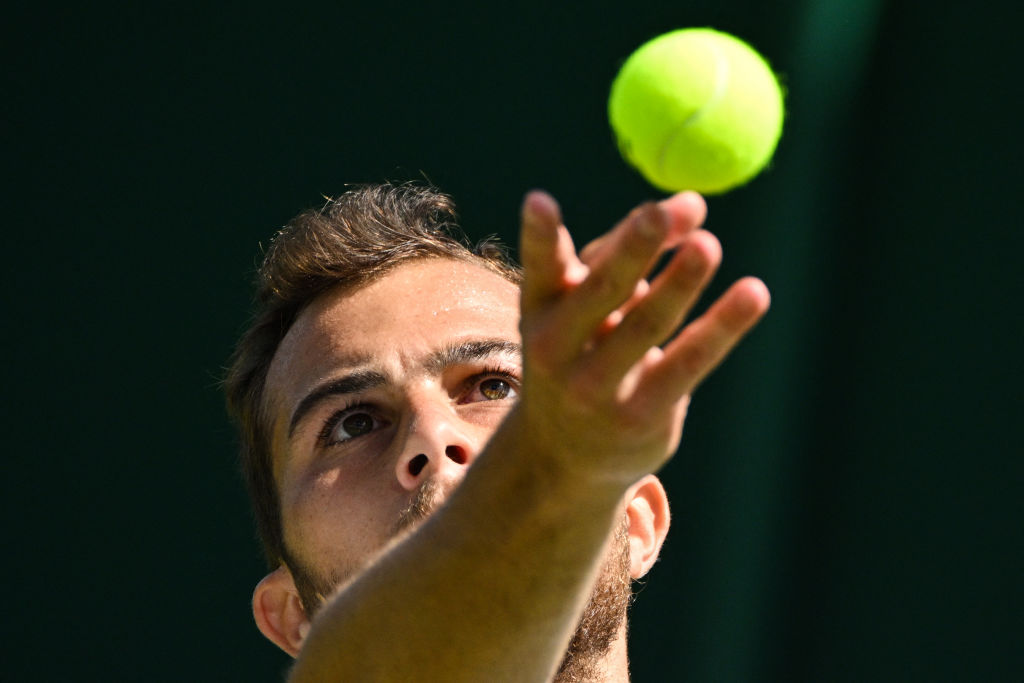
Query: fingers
x,y
702,345
615,317
651,320
601,316
582,313
547,252
549,258
686,211
603,362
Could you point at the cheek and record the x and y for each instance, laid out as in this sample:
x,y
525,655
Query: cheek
x,y
337,515
485,417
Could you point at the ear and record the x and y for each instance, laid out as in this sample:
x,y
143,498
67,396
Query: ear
x,y
278,611
647,512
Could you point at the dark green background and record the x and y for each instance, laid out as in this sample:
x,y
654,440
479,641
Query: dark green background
x,y
847,501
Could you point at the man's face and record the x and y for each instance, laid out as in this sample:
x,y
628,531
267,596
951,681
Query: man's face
x,y
380,399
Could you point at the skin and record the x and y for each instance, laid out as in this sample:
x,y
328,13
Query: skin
x,y
491,586
340,502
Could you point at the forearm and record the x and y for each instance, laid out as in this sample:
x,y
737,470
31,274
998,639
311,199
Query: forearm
x,y
490,588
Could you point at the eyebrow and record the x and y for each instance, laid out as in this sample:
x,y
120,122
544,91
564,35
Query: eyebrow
x,y
437,362
360,380
470,351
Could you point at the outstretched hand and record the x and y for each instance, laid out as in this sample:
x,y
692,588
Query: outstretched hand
x,y
607,371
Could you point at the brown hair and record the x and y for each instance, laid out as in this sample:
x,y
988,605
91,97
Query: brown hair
x,y
353,239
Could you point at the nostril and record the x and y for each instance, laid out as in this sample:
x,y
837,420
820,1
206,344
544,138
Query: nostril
x,y
456,455
417,464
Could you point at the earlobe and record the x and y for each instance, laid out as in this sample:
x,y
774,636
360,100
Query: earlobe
x,y
648,515
278,611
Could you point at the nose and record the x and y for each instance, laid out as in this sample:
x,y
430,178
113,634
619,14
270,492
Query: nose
x,y
437,445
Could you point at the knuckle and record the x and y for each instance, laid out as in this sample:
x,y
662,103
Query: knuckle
x,y
694,360
608,286
638,248
641,324
600,284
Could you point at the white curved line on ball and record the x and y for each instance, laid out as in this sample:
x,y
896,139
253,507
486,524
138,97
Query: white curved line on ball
x,y
721,83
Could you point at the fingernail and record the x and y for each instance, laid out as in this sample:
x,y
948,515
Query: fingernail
x,y
649,222
537,204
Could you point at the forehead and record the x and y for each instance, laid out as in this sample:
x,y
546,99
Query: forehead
x,y
406,313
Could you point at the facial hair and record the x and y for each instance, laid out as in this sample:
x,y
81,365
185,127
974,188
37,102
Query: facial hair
x,y
599,625
314,588
603,616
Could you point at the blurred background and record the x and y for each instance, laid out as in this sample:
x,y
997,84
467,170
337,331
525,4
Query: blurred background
x,y
848,498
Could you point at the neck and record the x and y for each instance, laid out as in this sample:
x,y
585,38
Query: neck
x,y
615,665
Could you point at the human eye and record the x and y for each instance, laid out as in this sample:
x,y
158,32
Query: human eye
x,y
349,423
492,385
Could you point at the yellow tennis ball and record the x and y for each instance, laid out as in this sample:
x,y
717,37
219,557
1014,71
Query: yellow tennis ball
x,y
696,109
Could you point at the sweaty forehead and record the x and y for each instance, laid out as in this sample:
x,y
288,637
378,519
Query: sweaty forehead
x,y
405,314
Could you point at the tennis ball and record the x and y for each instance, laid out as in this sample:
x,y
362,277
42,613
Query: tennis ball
x,y
696,109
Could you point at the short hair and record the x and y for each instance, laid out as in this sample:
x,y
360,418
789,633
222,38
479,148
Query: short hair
x,y
352,240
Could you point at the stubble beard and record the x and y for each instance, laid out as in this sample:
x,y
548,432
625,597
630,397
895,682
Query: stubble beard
x,y
600,624
604,616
